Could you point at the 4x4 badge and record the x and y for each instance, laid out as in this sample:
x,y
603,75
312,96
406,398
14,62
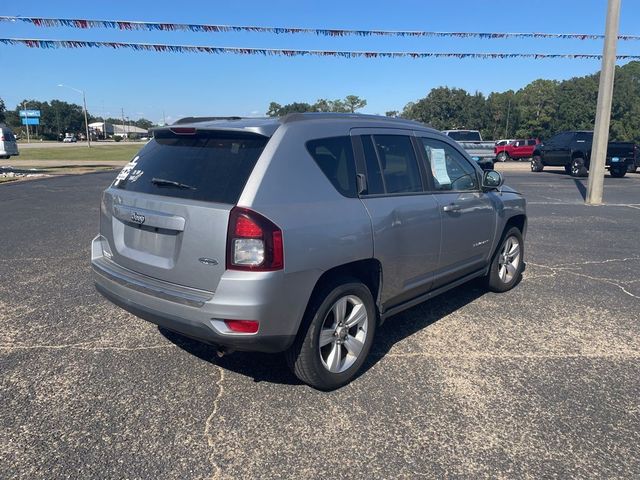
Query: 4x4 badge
x,y
208,261
137,218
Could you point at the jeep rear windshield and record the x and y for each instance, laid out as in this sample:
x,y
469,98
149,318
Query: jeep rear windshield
x,y
207,165
465,136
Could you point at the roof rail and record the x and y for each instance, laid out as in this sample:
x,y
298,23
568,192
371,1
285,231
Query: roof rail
x,y
301,116
203,119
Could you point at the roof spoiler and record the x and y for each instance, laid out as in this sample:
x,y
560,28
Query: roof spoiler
x,y
203,119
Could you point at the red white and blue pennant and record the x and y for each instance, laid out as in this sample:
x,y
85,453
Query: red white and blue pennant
x,y
161,47
212,28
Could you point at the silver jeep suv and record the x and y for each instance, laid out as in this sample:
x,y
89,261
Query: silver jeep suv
x,y
301,234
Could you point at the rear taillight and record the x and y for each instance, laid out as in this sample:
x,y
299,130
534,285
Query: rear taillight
x,y
242,326
253,242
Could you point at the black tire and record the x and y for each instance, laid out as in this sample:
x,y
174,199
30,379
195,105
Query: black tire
x,y
503,157
567,169
304,356
536,164
579,168
618,172
493,280
632,169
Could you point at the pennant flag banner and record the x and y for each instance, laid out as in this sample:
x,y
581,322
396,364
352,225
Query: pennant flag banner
x,y
169,27
155,47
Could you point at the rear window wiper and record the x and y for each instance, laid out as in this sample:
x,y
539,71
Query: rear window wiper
x,y
161,182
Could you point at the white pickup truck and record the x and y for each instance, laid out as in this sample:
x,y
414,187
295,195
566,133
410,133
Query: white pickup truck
x,y
471,141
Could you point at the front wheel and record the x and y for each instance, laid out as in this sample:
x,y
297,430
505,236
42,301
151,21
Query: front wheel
x,y
618,172
502,157
335,336
536,164
508,262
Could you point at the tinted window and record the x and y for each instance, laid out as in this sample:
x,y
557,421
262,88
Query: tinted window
x,y
531,142
584,137
465,136
374,175
398,163
8,136
450,170
561,138
211,166
334,156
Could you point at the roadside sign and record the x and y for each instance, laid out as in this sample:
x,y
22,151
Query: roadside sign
x,y
30,114
30,121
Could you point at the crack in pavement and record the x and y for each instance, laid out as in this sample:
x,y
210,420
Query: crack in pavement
x,y
207,426
91,346
634,206
568,268
630,354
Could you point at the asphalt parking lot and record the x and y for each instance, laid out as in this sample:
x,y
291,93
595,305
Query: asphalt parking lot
x,y
543,381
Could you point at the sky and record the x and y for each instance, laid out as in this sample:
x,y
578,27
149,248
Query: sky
x,y
168,86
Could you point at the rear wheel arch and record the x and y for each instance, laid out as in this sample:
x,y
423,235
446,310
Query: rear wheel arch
x,y
368,271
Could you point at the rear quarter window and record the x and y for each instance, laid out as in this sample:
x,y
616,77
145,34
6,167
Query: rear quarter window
x,y
211,166
8,136
334,156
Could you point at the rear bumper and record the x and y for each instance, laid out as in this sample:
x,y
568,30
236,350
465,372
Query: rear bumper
x,y
266,297
622,162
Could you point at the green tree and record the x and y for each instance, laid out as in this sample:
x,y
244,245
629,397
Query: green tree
x,y
143,123
3,109
276,110
538,109
353,103
502,115
350,104
448,108
323,105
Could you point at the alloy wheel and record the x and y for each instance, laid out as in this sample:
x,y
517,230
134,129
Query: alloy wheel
x,y
509,259
343,334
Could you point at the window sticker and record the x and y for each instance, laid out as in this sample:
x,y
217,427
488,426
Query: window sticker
x,y
124,173
439,166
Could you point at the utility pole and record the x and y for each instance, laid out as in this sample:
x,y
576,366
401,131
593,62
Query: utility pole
x,y
84,108
122,113
603,110
26,120
506,128
86,120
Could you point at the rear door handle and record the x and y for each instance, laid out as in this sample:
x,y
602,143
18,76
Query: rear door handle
x,y
452,207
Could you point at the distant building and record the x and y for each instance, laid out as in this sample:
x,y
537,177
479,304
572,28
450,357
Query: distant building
x,y
115,130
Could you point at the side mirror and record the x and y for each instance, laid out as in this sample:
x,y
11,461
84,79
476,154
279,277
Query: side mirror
x,y
492,180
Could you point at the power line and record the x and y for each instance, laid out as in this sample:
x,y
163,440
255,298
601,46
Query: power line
x,y
169,48
85,23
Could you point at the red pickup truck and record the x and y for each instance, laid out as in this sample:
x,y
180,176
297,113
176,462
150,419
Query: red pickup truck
x,y
516,150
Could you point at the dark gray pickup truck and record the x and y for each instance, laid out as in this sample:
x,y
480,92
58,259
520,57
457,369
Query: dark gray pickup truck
x,y
572,150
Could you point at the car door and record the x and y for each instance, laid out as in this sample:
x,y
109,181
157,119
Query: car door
x,y
519,149
405,217
557,152
468,213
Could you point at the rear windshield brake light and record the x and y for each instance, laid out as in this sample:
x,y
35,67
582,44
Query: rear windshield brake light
x,y
183,130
